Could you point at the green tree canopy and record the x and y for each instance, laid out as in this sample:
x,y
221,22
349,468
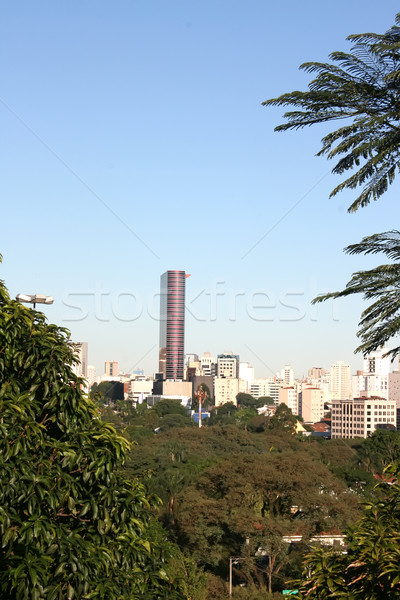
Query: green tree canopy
x,y
71,526
360,87
370,568
107,391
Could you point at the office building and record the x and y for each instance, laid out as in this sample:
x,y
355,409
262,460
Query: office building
x,y
172,325
359,417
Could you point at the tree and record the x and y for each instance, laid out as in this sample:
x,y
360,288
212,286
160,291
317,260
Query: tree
x,y
361,87
266,401
108,392
248,401
370,568
71,526
283,419
380,321
169,407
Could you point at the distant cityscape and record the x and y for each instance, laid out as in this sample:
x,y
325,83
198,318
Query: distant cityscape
x,y
333,401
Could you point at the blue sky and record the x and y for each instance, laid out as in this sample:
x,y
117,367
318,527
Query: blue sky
x,y
134,141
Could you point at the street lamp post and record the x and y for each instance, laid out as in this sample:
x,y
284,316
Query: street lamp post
x,y
34,299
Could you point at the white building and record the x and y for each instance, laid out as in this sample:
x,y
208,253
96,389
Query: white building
x,y
246,373
359,417
207,363
340,386
259,388
287,375
140,389
269,387
376,374
228,365
91,374
226,389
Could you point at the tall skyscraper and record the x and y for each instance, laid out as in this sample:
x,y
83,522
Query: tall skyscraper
x,y
172,324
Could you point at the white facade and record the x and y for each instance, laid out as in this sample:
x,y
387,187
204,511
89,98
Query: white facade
x,y
228,365
359,417
287,375
340,385
225,390
375,364
259,388
376,374
246,373
91,374
140,389
206,362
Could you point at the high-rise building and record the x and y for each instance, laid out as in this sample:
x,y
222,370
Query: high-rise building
x,y
246,373
172,324
81,350
91,374
111,368
376,374
340,387
287,375
311,404
288,396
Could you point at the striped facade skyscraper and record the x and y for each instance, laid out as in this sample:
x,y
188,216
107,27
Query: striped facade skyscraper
x,y
172,324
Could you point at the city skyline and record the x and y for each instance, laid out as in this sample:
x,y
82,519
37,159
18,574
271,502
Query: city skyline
x,y
144,144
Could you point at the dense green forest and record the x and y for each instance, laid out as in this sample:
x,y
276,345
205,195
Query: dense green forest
x,y
240,484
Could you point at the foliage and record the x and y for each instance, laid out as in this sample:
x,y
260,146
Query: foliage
x,y
107,392
71,525
361,87
370,569
381,320
266,401
283,418
248,401
223,415
223,485
169,407
381,449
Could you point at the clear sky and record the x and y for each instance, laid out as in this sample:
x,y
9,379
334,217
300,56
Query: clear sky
x,y
134,141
